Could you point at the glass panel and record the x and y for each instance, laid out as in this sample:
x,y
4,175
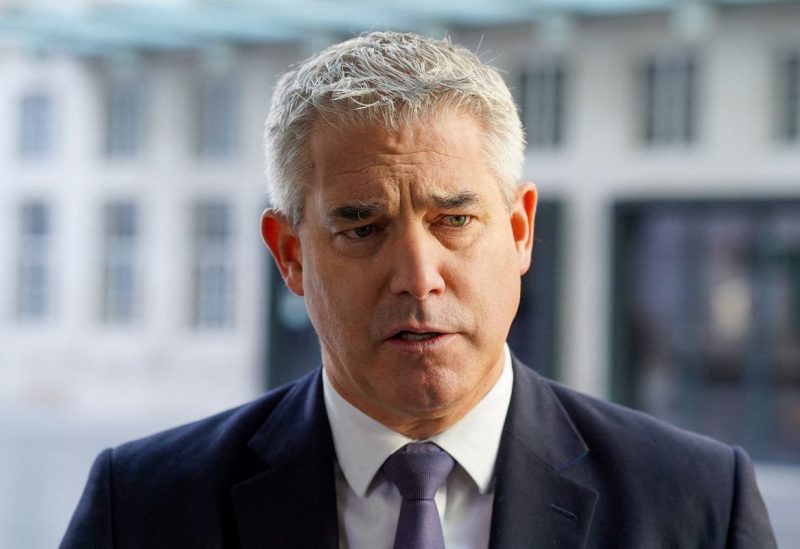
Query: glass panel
x,y
533,336
33,266
120,284
540,96
125,123
212,270
218,126
669,90
791,111
708,334
35,125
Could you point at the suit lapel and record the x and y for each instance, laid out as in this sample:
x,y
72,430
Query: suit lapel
x,y
535,504
291,500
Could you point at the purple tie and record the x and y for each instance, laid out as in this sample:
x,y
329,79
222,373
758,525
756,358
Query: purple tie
x,y
418,469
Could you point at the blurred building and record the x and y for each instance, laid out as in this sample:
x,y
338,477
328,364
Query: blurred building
x,y
135,293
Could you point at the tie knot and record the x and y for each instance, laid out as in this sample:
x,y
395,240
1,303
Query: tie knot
x,y
418,469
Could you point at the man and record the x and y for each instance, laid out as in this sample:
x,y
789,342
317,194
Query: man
x,y
396,213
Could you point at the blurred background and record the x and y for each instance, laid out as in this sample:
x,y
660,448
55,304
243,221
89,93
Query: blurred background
x,y
135,293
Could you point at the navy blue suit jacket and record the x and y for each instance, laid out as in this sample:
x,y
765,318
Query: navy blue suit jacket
x,y
572,472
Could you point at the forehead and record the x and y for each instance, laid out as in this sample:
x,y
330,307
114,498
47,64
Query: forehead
x,y
444,152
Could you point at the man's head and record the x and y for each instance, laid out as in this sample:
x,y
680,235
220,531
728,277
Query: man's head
x,y
393,80
402,227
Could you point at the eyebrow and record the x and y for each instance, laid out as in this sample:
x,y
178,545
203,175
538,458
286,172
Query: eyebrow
x,y
464,199
348,212
365,210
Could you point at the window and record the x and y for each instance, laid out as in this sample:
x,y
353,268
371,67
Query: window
x,y
791,99
33,286
534,333
35,125
124,118
217,118
120,284
707,319
540,95
212,271
669,100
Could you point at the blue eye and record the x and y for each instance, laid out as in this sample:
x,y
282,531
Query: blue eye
x,y
360,232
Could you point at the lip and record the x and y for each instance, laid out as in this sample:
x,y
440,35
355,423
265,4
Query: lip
x,y
416,328
423,346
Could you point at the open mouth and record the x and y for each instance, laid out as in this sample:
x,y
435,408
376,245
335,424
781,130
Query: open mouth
x,y
405,335
416,342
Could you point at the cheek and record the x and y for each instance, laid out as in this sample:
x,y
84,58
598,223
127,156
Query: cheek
x,y
335,300
495,284
317,295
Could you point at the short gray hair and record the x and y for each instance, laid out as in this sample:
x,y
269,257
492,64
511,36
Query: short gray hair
x,y
392,79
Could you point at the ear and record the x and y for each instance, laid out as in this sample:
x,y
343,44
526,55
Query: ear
x,y
283,242
523,214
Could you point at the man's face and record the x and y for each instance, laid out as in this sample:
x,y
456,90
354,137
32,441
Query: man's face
x,y
410,261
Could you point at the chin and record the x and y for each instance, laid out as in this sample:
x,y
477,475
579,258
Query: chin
x,y
431,397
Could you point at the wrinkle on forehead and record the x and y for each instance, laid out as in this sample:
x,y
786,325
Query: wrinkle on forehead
x,y
399,157
419,166
395,147
385,162
380,169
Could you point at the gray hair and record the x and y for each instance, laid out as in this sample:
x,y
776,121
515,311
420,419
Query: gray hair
x,y
387,78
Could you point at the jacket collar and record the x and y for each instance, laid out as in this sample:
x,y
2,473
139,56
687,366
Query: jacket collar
x,y
291,502
535,503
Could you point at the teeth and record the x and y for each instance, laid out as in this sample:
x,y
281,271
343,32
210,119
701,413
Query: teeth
x,y
411,336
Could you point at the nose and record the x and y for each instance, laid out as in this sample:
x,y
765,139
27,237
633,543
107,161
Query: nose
x,y
416,264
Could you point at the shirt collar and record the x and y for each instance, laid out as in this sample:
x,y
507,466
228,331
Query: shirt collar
x,y
363,444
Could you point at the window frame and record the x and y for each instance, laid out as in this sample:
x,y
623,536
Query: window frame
x,y
34,255
694,374
209,112
35,138
669,85
126,113
542,93
212,260
789,97
120,303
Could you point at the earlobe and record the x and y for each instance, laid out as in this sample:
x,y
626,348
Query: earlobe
x,y
283,242
523,216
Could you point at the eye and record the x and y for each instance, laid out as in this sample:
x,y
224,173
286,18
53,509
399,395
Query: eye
x,y
359,232
456,220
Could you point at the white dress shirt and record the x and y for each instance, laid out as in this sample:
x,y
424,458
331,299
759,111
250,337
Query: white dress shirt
x,y
369,506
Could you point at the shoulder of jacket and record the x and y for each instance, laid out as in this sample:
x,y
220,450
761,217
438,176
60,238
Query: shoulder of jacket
x,y
603,423
207,439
